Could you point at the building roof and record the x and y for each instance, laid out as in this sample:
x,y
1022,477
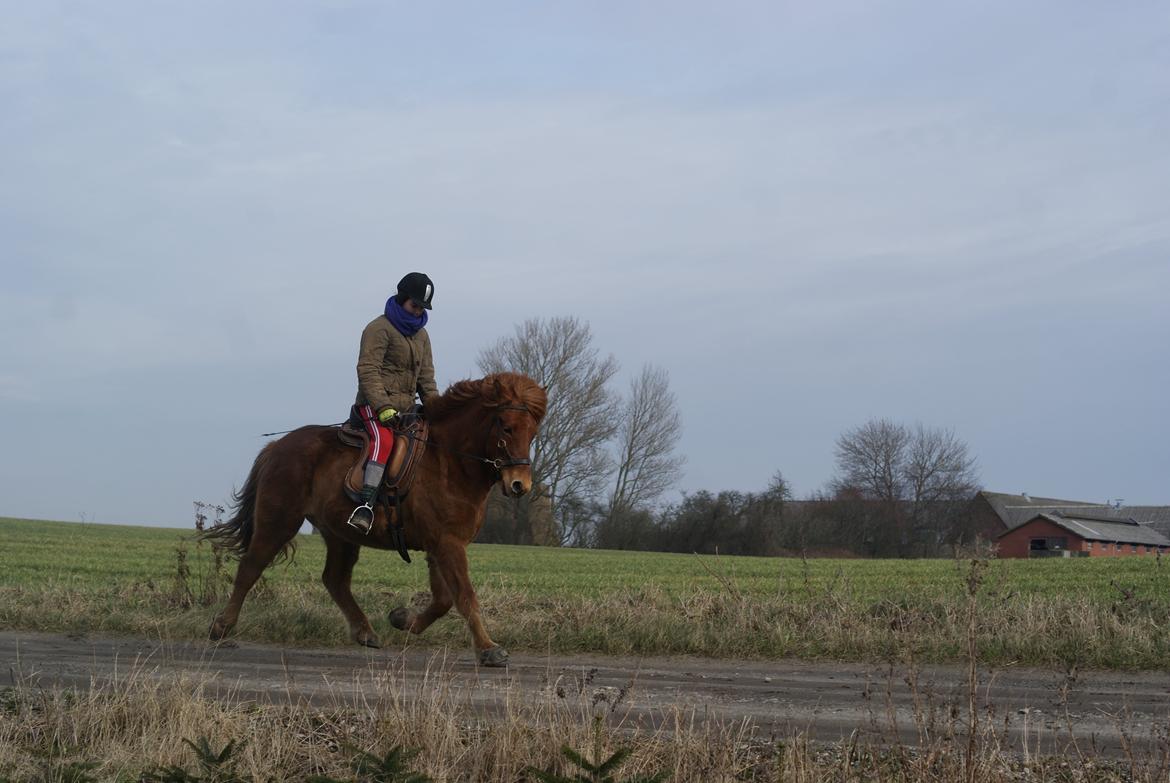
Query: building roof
x,y
1015,510
1157,517
1101,528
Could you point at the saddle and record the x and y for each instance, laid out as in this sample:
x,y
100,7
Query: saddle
x,y
410,443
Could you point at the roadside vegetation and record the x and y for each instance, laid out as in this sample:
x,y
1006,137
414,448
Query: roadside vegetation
x,y
137,728
1095,613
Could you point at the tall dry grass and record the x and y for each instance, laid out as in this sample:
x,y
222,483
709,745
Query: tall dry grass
x,y
824,622
1116,615
134,721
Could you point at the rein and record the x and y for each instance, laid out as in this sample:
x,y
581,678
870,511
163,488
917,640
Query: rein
x,y
499,463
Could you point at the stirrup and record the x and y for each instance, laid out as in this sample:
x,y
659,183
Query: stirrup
x,y
359,523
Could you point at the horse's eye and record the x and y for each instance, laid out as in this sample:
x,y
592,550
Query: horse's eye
x,y
507,430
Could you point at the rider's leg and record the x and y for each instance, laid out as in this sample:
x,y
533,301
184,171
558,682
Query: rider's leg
x,y
381,444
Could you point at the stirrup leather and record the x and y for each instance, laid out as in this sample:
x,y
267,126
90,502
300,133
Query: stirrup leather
x,y
360,523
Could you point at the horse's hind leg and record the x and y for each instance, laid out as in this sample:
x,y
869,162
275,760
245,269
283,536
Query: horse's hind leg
x,y
340,558
267,541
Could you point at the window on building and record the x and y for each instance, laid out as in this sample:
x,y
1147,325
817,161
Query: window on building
x,y
1052,544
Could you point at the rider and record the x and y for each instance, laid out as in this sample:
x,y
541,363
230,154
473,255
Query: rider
x,y
394,363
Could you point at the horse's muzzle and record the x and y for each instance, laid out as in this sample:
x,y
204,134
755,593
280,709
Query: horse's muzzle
x,y
514,488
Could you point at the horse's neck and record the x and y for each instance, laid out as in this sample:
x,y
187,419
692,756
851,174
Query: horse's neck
x,y
460,431
460,442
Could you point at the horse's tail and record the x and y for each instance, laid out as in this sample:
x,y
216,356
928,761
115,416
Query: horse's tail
x,y
235,535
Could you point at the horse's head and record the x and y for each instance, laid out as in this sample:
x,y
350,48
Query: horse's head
x,y
502,412
518,404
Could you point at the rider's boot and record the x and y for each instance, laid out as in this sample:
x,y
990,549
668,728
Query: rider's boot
x,y
362,517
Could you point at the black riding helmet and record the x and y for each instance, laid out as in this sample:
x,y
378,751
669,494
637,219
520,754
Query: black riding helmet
x,y
418,288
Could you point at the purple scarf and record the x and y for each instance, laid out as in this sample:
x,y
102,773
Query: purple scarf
x,y
403,321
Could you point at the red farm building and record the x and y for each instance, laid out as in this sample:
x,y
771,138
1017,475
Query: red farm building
x,y
1074,534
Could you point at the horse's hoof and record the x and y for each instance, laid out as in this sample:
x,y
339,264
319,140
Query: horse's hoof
x,y
401,618
367,639
493,656
217,631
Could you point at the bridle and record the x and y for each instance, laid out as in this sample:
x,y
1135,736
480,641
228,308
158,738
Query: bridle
x,y
502,444
499,463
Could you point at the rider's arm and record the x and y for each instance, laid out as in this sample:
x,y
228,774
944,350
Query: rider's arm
x,y
375,339
426,374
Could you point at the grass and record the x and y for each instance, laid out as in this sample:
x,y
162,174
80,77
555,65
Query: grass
x,y
1104,613
117,729
79,578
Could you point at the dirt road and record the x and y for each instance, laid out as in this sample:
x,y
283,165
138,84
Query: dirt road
x,y
826,701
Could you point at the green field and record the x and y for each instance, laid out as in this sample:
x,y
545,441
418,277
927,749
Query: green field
x,y
1095,612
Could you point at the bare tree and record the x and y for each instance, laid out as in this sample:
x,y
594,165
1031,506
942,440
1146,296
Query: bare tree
x,y
907,483
939,472
871,458
647,436
569,458
528,520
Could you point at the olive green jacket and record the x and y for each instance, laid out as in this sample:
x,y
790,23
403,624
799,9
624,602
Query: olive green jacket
x,y
392,367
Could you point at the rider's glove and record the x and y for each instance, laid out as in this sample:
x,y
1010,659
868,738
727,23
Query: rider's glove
x,y
386,414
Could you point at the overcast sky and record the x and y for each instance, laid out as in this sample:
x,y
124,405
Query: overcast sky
x,y
810,214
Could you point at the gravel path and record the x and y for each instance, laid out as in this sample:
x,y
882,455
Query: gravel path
x,y
826,701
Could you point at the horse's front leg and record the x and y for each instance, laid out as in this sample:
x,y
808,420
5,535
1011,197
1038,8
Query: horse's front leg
x,y
448,564
404,619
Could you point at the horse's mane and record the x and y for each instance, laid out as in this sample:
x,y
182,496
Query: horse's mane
x,y
504,388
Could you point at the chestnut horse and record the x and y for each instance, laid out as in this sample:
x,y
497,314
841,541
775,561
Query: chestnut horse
x,y
480,434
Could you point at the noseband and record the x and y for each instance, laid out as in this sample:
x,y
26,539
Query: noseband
x,y
502,445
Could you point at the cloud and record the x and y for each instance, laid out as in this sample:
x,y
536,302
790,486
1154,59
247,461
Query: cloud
x,y
792,205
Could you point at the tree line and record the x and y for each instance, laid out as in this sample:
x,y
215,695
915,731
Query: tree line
x,y
603,460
